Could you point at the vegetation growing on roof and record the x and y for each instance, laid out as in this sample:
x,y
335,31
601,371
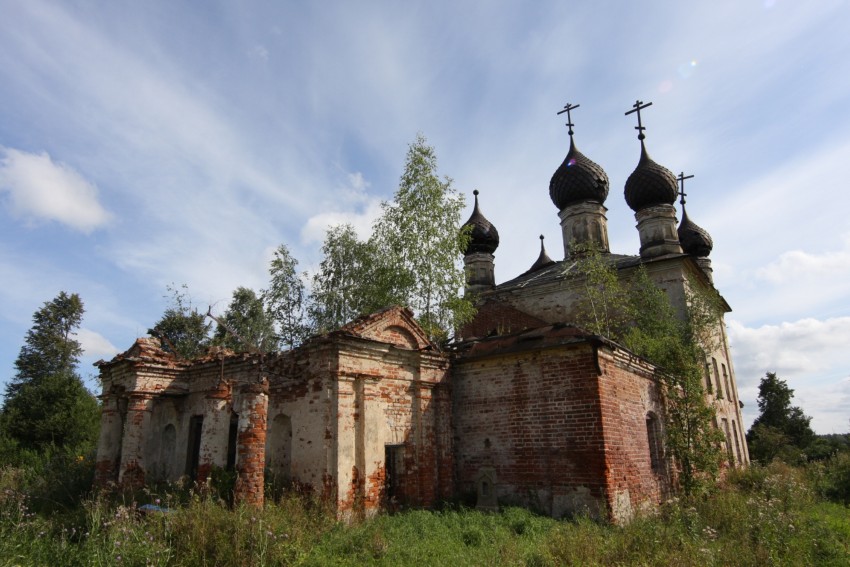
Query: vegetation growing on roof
x,y
638,314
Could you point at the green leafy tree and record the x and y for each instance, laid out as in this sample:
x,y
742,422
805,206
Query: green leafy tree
x,y
46,402
639,315
603,306
344,286
781,430
246,324
413,257
678,348
286,298
182,329
420,240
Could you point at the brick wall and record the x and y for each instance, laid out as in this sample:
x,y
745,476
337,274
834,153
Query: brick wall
x,y
533,417
391,401
628,393
563,428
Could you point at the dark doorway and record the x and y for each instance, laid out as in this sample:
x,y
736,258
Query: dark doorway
x,y
196,425
231,441
394,468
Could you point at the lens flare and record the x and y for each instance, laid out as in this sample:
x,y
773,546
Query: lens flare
x,y
687,69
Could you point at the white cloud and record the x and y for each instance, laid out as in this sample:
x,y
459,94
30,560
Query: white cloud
x,y
41,188
793,284
316,226
353,205
810,354
96,345
801,265
358,182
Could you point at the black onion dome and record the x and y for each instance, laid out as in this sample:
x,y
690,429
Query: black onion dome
x,y
577,179
543,260
650,184
484,236
694,239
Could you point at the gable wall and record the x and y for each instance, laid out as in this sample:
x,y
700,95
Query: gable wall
x,y
389,396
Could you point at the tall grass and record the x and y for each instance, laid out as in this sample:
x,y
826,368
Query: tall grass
x,y
761,516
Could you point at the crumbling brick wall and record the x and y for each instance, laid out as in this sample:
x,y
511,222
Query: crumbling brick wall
x,y
544,421
251,443
392,403
534,418
628,395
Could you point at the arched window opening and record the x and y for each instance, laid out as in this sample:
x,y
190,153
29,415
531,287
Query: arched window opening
x,y
727,436
717,378
656,448
737,443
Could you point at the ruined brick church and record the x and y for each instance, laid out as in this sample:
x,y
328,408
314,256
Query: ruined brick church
x,y
522,408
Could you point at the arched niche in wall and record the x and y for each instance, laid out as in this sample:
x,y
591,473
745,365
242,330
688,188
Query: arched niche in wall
x,y
167,448
400,337
279,448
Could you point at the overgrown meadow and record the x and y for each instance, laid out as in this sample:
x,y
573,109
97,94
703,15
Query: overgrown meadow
x,y
775,515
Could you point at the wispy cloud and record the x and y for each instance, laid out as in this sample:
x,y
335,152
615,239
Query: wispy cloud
x,y
352,205
96,345
41,189
214,135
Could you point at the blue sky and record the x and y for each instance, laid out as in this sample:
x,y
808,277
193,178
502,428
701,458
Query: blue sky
x,y
145,143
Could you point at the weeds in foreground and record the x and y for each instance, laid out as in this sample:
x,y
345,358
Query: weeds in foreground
x,y
762,516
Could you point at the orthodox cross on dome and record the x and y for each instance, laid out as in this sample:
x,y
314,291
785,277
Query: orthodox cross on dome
x,y
682,193
637,107
569,123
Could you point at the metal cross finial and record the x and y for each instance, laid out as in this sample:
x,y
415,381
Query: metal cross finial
x,y
637,107
567,109
681,180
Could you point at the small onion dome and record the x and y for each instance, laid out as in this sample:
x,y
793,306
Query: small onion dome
x,y
577,179
650,184
543,260
484,237
694,239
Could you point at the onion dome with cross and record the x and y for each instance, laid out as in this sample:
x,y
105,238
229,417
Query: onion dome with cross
x,y
649,184
694,239
483,237
577,178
